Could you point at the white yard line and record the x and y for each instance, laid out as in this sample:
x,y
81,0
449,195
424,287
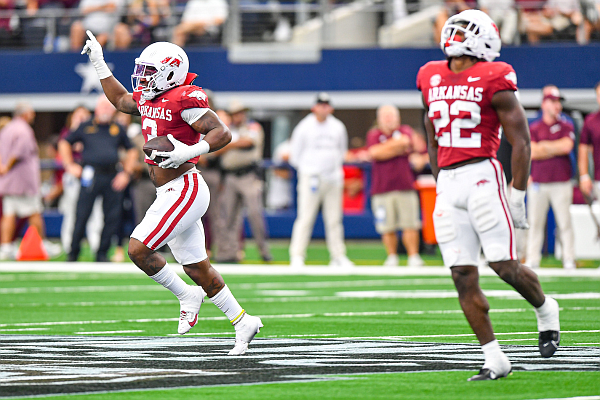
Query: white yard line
x,y
273,270
574,398
109,332
24,329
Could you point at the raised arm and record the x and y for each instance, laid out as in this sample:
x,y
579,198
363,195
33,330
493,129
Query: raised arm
x,y
114,90
514,122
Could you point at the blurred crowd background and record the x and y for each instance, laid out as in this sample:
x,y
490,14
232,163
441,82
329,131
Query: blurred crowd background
x,y
59,25
256,32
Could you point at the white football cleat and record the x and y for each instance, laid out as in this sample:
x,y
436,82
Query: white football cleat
x,y
189,310
341,262
392,260
245,330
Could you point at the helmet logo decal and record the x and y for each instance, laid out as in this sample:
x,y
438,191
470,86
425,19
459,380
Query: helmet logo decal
x,y
197,94
172,61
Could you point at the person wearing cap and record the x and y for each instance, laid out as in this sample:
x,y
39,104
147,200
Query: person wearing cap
x,y
317,148
242,186
590,142
552,139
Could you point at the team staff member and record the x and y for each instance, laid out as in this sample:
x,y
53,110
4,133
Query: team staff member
x,y
99,173
395,201
317,149
552,139
590,142
242,187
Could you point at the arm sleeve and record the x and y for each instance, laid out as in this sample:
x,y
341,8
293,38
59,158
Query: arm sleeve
x,y
295,146
125,142
192,115
567,130
194,97
75,136
505,79
586,134
344,140
371,138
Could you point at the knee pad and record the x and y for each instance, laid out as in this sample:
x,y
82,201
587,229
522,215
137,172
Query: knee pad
x,y
450,256
480,208
496,253
443,224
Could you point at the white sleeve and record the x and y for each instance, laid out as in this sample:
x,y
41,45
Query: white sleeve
x,y
191,115
296,145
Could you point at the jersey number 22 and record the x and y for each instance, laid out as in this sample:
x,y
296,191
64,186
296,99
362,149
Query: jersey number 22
x,y
454,138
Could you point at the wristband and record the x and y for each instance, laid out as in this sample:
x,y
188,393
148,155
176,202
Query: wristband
x,y
517,196
585,177
102,69
202,147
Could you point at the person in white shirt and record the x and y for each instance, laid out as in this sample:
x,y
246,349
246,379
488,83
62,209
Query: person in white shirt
x,y
318,145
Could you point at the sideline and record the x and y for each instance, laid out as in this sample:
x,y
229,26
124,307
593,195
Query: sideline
x,y
275,270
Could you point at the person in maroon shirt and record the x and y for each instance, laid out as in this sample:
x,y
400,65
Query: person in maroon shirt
x,y
590,142
394,199
552,139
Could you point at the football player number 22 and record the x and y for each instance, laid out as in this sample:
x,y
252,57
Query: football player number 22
x,y
454,138
150,123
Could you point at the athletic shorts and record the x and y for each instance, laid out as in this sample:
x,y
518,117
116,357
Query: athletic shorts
x,y
471,212
174,218
396,210
22,206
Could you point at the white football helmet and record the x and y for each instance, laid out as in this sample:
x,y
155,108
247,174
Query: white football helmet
x,y
160,67
472,33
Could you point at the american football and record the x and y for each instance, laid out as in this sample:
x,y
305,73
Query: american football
x,y
159,143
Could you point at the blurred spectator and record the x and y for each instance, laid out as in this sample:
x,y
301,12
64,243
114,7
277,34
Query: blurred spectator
x,y
128,217
99,16
210,165
279,194
55,189
242,187
590,10
505,15
451,7
71,186
552,140
98,173
202,18
317,148
354,180
139,23
7,28
394,200
20,180
590,143
555,17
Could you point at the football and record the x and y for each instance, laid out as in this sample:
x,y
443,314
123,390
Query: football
x,y
159,143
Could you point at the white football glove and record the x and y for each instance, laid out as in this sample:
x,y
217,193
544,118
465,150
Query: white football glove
x,y
181,153
94,51
517,208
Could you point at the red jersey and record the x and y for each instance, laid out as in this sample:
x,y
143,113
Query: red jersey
x,y
162,114
460,107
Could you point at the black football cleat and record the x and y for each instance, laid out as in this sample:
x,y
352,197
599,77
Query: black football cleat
x,y
486,374
549,341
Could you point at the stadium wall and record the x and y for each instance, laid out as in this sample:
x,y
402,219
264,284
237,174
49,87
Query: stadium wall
x,y
357,78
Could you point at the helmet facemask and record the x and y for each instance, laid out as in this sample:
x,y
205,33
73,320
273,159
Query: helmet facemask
x,y
476,36
144,79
